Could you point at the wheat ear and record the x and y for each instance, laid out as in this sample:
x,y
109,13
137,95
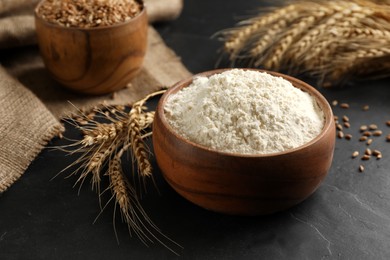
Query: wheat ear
x,y
135,127
316,38
237,38
103,144
290,35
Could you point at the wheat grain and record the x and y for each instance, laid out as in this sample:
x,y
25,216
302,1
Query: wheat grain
x,y
363,138
88,13
367,133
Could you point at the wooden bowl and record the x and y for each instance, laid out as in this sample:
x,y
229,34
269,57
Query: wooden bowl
x,y
96,60
243,184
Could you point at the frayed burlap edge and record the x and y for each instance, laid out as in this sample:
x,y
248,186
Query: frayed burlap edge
x,y
26,126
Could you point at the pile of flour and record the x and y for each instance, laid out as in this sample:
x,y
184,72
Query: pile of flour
x,y
246,112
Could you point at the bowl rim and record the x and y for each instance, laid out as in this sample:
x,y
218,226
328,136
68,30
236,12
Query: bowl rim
x,y
320,99
100,28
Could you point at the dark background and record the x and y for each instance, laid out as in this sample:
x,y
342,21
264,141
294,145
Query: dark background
x,y
347,218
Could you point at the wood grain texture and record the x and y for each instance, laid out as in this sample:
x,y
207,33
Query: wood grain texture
x,y
93,60
243,184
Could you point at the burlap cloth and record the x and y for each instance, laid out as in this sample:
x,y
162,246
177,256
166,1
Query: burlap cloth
x,y
31,103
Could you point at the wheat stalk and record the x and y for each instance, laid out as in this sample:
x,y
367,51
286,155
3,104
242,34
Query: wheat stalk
x,y
125,197
340,11
103,144
316,37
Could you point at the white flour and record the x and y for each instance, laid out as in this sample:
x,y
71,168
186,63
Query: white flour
x,y
245,112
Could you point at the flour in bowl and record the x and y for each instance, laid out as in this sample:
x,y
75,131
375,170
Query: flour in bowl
x,y
244,111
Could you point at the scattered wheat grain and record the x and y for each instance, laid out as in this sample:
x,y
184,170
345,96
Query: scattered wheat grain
x,y
367,133
373,127
377,133
363,138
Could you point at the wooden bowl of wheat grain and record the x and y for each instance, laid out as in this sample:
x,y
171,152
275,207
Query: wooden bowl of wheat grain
x,y
93,60
243,184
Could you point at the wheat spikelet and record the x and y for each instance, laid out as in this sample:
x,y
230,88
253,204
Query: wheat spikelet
x,y
102,132
145,120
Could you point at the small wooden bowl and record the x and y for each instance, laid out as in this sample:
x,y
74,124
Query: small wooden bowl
x,y
243,184
93,60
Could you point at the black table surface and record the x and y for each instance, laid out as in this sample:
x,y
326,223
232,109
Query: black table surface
x,y
348,217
